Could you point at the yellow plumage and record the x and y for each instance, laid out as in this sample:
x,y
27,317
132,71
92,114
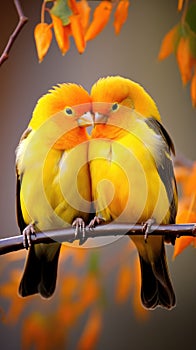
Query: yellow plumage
x,y
132,174
53,179
129,94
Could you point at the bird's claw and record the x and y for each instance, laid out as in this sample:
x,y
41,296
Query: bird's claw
x,y
27,233
97,220
80,232
147,228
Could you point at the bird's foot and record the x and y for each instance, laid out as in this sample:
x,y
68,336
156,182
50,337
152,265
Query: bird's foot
x,y
97,220
27,233
147,228
80,233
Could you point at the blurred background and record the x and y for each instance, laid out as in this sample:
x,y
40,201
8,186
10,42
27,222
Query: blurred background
x,y
23,80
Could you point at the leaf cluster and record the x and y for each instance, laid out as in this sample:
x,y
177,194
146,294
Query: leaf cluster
x,y
71,18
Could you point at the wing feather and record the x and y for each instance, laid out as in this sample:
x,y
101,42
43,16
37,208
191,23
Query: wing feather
x,y
165,167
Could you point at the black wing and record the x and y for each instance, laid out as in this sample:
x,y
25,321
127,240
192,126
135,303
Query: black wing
x,y
20,219
165,168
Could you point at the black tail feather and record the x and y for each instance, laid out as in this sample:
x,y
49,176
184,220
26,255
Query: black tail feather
x,y
149,288
156,287
40,274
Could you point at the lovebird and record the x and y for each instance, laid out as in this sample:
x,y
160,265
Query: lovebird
x,y
132,177
53,185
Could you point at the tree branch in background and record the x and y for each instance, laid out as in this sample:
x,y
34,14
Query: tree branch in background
x,y
15,243
21,23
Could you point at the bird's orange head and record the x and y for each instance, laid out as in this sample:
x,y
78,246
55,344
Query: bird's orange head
x,y
109,96
68,106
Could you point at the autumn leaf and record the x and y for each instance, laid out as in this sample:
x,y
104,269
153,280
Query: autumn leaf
x,y
74,6
185,215
181,40
184,59
84,12
34,332
168,43
92,330
62,10
101,17
181,173
38,332
90,290
79,256
69,286
189,185
123,283
43,38
8,291
193,88
180,4
77,32
182,243
68,313
62,34
186,177
120,15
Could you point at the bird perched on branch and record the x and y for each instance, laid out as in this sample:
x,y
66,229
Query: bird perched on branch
x,y
132,176
53,188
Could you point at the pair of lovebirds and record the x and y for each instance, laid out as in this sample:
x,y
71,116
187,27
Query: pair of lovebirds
x,y
124,168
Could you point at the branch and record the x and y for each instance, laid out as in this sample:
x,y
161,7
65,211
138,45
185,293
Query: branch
x,y
21,23
15,243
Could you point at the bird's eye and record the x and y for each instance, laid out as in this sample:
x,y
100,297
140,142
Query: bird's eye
x,y
69,111
115,106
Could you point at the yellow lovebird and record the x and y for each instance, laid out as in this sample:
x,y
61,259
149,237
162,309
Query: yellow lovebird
x,y
132,176
53,188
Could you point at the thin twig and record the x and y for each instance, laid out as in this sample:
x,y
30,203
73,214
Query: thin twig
x,y
12,38
15,243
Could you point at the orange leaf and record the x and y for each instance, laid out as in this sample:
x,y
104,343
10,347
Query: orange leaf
x,y
38,328
8,290
61,33
181,173
90,291
84,12
69,285
193,88
182,243
77,32
189,187
120,15
43,38
167,45
184,59
74,6
185,216
101,17
123,284
35,332
92,331
68,313
180,4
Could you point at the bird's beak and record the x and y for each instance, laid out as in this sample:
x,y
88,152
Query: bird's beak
x,y
100,118
86,119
